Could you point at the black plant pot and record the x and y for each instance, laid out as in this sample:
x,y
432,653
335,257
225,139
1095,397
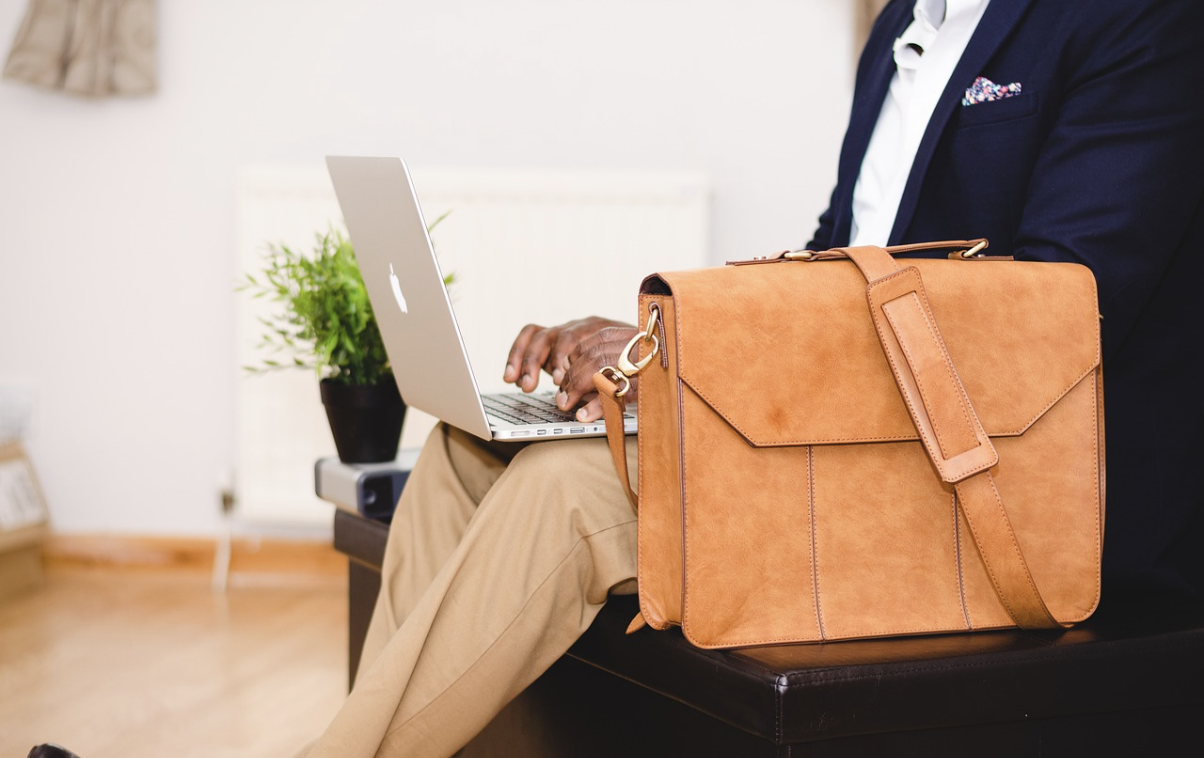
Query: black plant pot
x,y
365,419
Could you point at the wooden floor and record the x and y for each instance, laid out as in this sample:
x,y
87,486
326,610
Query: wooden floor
x,y
114,663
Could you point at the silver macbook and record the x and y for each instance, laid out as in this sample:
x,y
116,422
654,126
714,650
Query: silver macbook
x,y
414,312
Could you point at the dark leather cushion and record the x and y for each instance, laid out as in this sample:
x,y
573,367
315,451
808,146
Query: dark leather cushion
x,y
1139,655
1133,654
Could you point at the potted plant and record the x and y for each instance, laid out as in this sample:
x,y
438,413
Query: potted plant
x,y
325,323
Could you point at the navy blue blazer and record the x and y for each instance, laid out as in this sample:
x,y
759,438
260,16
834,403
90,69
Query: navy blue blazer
x,y
1099,160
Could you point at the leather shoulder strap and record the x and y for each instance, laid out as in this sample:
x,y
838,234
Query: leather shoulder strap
x,y
948,426
613,406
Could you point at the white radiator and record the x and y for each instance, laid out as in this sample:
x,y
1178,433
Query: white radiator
x,y
525,246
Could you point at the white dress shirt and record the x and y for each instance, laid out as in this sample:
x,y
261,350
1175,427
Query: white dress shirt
x,y
925,57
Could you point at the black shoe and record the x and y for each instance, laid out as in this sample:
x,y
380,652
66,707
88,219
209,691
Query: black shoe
x,y
51,750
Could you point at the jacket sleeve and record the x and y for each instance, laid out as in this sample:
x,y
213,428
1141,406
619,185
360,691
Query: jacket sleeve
x,y
822,238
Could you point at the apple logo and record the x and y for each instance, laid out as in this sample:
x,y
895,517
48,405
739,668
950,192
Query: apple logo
x,y
400,298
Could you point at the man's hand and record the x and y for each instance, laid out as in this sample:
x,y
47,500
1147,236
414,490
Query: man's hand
x,y
572,353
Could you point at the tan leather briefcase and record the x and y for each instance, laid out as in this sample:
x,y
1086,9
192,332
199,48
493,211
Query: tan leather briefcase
x,y
843,445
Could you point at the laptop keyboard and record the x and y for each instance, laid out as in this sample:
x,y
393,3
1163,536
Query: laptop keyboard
x,y
518,408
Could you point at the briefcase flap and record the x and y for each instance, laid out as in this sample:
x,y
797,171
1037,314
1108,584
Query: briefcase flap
x,y
786,352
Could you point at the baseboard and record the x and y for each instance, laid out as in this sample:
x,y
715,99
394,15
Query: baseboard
x,y
21,560
249,558
20,571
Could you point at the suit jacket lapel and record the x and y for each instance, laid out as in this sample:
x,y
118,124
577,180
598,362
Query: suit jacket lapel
x,y
997,23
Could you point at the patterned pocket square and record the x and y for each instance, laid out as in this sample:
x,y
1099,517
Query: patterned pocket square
x,y
986,91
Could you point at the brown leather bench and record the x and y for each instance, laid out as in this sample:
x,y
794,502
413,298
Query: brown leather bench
x,y
1127,682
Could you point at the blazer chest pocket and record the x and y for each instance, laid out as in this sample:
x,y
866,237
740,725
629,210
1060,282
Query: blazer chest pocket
x,y
996,111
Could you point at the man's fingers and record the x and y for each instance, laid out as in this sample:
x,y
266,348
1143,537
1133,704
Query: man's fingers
x,y
514,360
532,362
571,353
566,341
591,411
591,355
560,366
528,355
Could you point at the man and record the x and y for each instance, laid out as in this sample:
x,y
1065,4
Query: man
x,y
1059,130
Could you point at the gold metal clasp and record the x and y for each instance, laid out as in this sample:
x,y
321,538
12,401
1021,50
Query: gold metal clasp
x,y
974,251
654,319
616,376
627,368
625,365
799,255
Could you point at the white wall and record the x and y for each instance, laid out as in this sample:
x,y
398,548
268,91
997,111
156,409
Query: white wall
x,y
117,219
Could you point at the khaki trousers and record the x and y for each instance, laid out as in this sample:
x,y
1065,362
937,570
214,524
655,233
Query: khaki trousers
x,y
499,557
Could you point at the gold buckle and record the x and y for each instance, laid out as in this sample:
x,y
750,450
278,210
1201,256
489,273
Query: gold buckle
x,y
627,368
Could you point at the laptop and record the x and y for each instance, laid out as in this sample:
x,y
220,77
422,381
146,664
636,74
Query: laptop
x,y
415,316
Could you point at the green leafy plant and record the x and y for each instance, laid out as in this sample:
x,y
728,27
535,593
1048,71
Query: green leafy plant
x,y
325,322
